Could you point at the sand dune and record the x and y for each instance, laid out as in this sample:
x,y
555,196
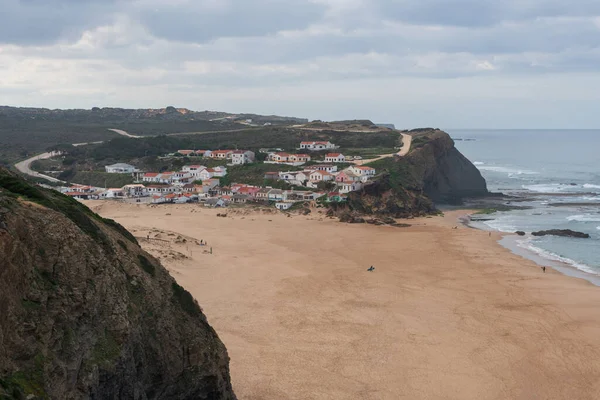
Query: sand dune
x,y
447,313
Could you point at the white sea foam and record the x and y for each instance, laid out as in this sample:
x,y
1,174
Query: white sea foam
x,y
546,188
478,163
590,198
506,170
591,186
501,226
584,218
526,244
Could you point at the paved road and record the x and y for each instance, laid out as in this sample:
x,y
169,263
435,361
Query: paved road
x,y
123,133
406,143
25,165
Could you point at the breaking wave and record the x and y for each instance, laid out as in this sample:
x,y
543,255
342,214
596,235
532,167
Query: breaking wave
x,y
526,244
584,218
546,188
507,170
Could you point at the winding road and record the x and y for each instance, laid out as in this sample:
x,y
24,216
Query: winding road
x,y
25,165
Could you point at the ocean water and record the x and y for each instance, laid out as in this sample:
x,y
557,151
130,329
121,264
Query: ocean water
x,y
554,172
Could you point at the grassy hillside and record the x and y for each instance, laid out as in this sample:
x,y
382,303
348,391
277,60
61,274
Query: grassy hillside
x,y
286,138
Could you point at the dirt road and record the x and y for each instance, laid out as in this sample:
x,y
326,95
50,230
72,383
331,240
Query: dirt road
x,y
406,142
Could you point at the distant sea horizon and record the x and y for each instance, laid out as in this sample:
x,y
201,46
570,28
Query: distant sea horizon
x,y
556,175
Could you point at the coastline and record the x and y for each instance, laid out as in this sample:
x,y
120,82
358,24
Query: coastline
x,y
510,241
447,313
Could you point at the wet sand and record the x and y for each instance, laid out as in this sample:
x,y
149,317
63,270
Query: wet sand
x,y
447,313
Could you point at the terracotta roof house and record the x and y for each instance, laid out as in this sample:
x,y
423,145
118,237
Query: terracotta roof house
x,y
335,158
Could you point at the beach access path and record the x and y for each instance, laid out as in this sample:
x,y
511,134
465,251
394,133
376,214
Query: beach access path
x,y
446,314
406,143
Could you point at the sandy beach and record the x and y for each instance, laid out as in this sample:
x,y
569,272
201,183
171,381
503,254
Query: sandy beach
x,y
447,313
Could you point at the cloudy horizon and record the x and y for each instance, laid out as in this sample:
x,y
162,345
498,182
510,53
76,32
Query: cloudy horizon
x,y
442,63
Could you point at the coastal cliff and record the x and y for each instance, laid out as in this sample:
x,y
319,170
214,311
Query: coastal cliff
x,y
86,313
434,171
445,174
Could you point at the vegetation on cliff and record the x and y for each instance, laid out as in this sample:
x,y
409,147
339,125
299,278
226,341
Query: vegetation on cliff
x,y
86,313
434,171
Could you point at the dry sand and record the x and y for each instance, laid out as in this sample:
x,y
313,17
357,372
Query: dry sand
x,y
447,313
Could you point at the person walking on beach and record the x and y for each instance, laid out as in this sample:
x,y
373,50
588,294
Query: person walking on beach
x,y
371,269
544,269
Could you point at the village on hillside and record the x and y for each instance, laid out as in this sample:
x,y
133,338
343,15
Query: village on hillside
x,y
315,178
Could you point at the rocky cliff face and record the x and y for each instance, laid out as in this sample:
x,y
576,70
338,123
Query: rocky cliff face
x,y
85,313
434,171
446,175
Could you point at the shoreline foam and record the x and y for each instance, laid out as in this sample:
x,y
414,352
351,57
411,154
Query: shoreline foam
x,y
540,256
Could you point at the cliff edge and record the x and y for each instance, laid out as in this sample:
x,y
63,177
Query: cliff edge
x,y
86,313
433,171
446,175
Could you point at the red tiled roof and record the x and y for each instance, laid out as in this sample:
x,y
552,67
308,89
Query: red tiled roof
x,y
334,155
150,175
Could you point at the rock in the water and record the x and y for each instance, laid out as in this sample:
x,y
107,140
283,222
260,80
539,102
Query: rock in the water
x,y
562,232
520,233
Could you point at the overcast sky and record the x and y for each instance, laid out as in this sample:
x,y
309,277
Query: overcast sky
x,y
441,63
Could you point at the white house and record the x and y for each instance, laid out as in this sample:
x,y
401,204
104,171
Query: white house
x,y
279,157
347,187
219,172
316,146
221,154
158,189
194,170
323,167
362,170
215,202
151,177
182,177
321,176
335,158
114,193
283,205
120,168
240,157
298,158
135,190
275,195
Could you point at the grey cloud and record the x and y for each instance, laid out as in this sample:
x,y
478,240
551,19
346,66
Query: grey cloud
x,y
39,22
197,23
474,13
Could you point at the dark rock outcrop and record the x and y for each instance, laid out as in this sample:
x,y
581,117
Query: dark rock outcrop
x,y
520,233
562,232
446,175
86,313
434,171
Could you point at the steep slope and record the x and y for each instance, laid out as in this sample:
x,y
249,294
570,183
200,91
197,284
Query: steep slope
x,y
434,171
446,175
85,313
